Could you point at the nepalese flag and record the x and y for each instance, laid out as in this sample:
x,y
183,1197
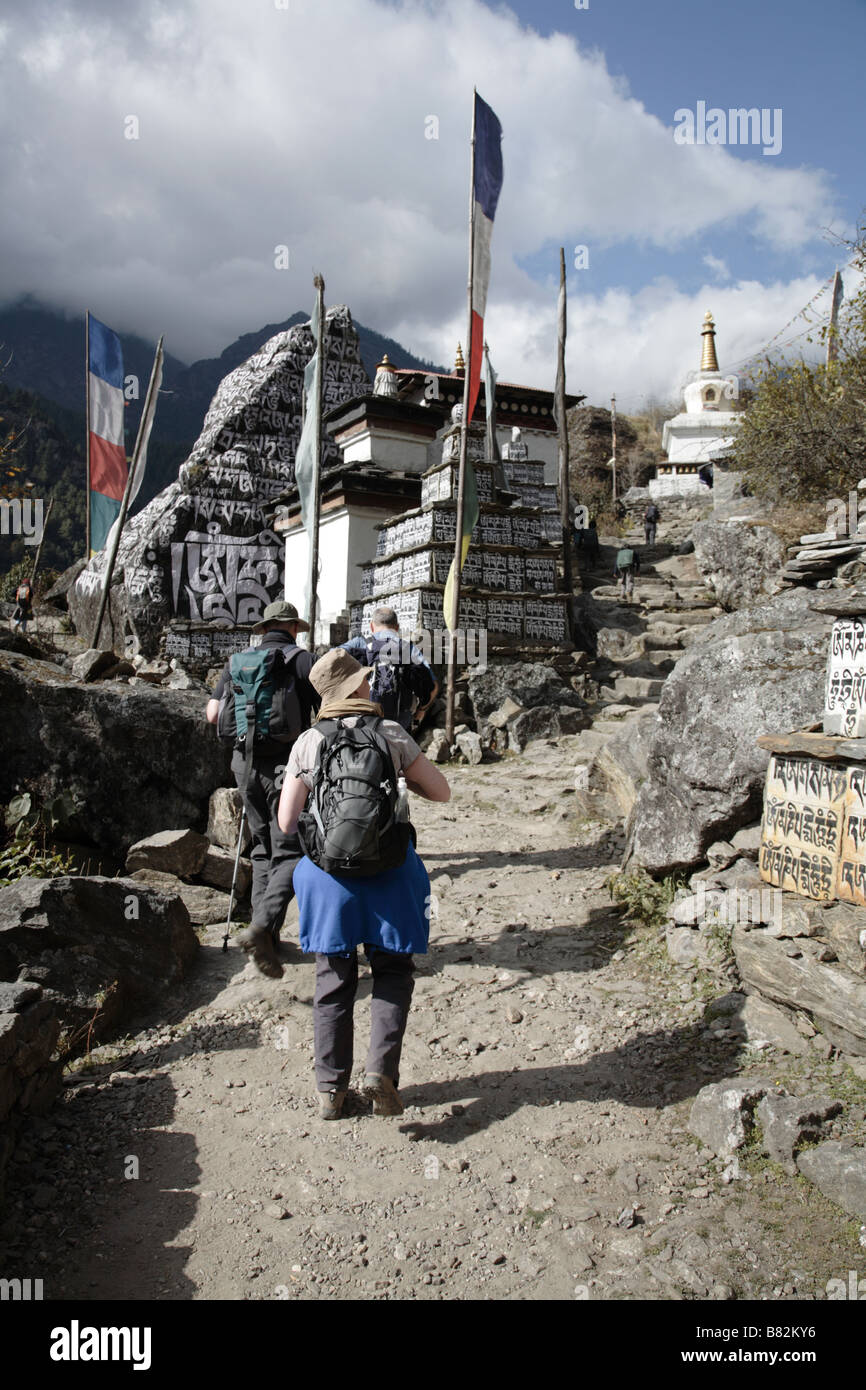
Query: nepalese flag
x,y
108,471
486,190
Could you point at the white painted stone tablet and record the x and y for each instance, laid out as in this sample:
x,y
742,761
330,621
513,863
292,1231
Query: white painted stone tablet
x,y
845,689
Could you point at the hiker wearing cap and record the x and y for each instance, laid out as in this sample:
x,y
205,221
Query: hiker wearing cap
x,y
385,910
278,671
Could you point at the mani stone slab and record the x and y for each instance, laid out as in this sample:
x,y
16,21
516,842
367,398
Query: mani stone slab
x,y
845,688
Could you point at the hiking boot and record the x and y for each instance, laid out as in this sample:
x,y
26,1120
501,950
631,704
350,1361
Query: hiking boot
x,y
331,1104
383,1093
259,944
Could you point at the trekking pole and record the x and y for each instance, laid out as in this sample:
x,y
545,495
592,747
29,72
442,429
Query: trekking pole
x,y
234,879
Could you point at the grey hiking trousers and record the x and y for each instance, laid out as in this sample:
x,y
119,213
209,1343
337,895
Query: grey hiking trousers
x,y
333,1024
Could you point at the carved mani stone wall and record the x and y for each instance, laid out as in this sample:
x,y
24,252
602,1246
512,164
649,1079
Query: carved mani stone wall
x,y
201,553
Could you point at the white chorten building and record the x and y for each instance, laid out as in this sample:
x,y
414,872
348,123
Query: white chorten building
x,y
701,433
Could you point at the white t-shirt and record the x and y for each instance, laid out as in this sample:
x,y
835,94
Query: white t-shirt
x,y
302,759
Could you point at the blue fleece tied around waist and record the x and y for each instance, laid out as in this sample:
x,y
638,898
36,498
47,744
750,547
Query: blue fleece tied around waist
x,y
389,910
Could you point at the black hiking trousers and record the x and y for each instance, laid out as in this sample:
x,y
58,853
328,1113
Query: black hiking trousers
x,y
274,853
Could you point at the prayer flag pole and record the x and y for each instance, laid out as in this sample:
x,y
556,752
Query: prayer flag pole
x,y
142,437
87,430
317,457
457,563
562,425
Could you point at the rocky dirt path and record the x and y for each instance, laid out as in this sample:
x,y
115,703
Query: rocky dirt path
x,y
551,1060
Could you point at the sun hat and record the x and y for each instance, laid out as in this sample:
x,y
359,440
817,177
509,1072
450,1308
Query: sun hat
x,y
281,612
336,676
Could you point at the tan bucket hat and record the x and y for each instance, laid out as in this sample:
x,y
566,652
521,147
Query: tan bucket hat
x,y
336,676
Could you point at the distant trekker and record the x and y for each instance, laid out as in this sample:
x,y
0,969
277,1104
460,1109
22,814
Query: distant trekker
x,y
401,679
24,605
651,518
626,567
591,545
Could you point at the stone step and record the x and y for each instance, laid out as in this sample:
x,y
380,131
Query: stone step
x,y
690,617
629,688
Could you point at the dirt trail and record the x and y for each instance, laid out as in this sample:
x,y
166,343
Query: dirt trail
x,y
551,1058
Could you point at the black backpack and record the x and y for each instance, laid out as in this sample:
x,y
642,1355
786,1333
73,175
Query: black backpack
x,y
261,700
396,681
349,825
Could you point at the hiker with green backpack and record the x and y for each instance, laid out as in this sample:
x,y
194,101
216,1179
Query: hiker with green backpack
x,y
626,567
360,882
262,703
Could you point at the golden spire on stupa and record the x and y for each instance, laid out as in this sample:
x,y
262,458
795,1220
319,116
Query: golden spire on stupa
x,y
459,364
709,362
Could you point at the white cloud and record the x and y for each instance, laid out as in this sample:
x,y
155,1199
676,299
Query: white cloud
x,y
718,266
305,126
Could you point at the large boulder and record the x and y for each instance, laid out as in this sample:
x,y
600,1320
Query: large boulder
x,y
224,819
740,561
757,671
180,852
622,760
205,905
99,947
527,682
134,759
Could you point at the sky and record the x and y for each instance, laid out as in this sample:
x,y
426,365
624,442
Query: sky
x,y
185,168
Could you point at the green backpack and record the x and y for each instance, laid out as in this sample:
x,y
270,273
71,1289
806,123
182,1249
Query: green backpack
x,y
261,701
624,559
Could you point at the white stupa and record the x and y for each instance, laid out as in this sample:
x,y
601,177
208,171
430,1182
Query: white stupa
x,y
702,432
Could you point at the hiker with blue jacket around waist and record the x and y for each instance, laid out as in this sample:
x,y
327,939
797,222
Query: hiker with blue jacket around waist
x,y
401,680
361,882
275,676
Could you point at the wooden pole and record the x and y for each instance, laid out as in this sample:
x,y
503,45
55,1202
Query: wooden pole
x,y
832,339
613,441
562,425
461,477
38,555
87,430
124,506
317,457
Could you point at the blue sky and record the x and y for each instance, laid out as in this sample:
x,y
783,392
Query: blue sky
x,y
305,125
802,57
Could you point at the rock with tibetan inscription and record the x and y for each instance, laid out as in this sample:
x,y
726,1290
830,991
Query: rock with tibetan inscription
x,y
201,557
